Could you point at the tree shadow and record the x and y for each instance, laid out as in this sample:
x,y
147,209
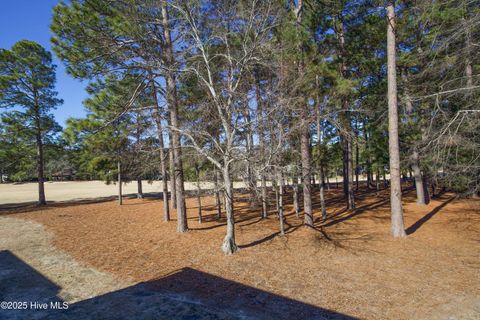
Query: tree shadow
x,y
414,227
184,294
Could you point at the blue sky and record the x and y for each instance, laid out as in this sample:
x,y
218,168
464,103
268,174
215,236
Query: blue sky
x,y
30,19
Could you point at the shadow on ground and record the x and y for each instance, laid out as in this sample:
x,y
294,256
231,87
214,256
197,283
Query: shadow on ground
x,y
184,294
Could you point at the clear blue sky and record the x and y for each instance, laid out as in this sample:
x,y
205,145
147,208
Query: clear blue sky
x,y
30,19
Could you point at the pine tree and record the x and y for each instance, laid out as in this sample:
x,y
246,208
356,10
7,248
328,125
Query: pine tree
x,y
27,83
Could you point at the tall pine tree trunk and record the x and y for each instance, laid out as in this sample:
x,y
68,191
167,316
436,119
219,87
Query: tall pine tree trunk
x,y
261,138
161,145
368,161
350,175
356,160
171,91
306,172
305,153
40,173
398,229
345,175
251,178
40,159
171,171
322,178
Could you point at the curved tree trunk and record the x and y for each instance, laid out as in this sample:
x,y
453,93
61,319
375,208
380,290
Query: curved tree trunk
x,y
398,228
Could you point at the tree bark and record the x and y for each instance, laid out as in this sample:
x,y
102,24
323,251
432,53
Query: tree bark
x,y
261,138
229,246
251,178
398,228
468,59
161,145
356,160
280,202
218,201
40,159
415,158
350,175
119,179
199,195
264,196
322,178
347,140
368,160
305,153
139,188
171,170
421,199
182,225
295,195
306,172
322,195
40,171
345,174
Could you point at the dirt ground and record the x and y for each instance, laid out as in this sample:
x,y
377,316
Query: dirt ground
x,y
347,267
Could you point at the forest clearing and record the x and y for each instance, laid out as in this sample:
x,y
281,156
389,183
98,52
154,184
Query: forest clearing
x,y
349,265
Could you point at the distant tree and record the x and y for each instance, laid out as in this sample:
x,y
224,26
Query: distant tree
x,y
27,84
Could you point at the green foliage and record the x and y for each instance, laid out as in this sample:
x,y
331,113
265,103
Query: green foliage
x,y
27,80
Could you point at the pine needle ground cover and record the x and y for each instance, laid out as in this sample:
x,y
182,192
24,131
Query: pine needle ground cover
x,y
348,263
